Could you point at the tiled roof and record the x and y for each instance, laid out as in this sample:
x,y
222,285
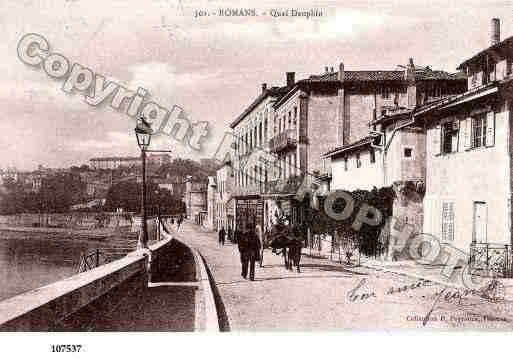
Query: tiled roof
x,y
439,75
356,144
396,75
273,91
360,76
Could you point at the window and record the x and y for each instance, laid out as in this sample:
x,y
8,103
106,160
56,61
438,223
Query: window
x,y
473,79
449,137
408,152
290,119
265,128
358,161
345,164
447,221
509,63
295,116
260,134
479,131
372,155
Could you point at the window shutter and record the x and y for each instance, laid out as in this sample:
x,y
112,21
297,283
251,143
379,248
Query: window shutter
x,y
467,130
490,129
447,221
436,140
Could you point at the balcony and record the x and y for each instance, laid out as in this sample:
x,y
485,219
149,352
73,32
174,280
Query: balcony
x,y
491,257
283,141
248,190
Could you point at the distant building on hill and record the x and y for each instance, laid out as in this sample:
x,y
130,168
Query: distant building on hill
x,y
110,163
195,198
159,159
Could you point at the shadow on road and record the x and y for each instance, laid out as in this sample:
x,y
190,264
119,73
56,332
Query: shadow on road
x,y
281,278
330,268
321,267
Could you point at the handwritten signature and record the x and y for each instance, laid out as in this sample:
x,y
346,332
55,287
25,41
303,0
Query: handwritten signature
x,y
493,291
356,294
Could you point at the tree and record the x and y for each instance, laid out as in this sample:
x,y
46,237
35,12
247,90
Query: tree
x,y
127,195
367,238
186,167
57,194
124,195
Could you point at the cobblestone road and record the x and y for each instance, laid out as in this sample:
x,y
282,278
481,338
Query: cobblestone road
x,y
322,296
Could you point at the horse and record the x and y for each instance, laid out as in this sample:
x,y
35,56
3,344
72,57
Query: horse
x,y
282,242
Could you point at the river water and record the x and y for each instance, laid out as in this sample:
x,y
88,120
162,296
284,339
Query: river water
x,y
31,260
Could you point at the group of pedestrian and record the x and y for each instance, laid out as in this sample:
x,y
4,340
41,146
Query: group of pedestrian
x,y
179,222
224,234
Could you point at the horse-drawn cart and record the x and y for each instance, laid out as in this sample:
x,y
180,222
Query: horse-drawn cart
x,y
285,241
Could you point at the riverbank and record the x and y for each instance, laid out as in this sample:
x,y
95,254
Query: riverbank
x,y
90,234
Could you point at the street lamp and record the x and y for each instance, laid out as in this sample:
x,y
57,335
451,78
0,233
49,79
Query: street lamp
x,y
143,133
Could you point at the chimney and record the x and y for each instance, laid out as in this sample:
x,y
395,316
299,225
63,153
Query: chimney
x,y
409,72
411,90
341,73
496,31
264,87
291,79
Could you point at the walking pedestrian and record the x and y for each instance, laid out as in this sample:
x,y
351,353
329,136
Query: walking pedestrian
x,y
222,234
249,247
179,222
241,244
230,234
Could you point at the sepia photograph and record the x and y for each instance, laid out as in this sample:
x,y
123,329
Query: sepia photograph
x,y
264,167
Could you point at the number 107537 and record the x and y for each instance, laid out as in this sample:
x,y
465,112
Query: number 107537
x,y
66,348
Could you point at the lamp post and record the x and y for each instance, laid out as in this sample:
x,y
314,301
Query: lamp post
x,y
143,133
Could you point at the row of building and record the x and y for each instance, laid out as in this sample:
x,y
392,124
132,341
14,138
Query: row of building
x,y
115,162
442,141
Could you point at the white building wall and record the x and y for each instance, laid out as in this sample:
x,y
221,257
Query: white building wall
x,y
365,177
465,177
398,166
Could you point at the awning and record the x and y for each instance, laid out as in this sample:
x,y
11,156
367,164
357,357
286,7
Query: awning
x,y
278,195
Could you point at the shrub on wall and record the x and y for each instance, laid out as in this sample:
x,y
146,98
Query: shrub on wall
x,y
367,238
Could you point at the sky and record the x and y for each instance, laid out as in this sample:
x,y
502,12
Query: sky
x,y
210,66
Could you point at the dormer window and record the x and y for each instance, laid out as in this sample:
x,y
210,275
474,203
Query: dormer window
x,y
473,79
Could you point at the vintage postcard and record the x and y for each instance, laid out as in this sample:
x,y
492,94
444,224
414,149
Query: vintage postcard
x,y
224,166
